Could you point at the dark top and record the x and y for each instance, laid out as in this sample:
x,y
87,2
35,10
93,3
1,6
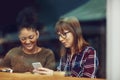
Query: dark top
x,y
21,62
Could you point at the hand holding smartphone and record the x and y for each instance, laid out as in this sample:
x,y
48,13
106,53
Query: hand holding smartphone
x,y
37,65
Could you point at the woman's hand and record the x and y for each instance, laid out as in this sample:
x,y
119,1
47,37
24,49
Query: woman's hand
x,y
43,71
6,70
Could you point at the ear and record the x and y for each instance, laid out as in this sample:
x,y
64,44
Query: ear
x,y
37,32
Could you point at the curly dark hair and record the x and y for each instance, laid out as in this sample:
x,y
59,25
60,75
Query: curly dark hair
x,y
29,16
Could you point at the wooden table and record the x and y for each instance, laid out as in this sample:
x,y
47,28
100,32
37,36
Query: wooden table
x,y
28,76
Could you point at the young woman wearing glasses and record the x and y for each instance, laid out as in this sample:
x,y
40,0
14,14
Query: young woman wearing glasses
x,y
78,58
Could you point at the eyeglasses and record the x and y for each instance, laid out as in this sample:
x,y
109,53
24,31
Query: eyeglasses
x,y
63,35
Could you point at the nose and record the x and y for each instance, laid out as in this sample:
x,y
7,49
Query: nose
x,y
60,38
27,41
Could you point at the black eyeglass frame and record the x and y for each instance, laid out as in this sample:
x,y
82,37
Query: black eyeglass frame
x,y
63,35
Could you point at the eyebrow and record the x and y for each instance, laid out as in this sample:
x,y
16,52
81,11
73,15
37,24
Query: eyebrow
x,y
27,36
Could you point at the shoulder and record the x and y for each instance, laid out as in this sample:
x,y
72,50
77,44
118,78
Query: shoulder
x,y
47,50
89,50
88,53
13,50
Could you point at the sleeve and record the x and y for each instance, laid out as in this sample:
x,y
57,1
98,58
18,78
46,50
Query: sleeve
x,y
62,63
6,62
59,66
91,63
50,62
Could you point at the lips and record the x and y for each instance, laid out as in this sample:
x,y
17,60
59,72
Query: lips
x,y
28,46
64,44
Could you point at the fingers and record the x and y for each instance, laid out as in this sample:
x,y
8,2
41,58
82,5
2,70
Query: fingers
x,y
43,71
40,69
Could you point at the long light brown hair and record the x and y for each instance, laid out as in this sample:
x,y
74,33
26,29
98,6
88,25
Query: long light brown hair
x,y
71,24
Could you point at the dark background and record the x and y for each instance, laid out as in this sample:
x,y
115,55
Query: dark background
x,y
90,13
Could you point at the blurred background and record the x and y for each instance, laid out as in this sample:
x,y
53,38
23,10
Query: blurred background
x,y
91,14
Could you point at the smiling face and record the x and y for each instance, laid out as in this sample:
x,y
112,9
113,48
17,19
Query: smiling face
x,y
28,38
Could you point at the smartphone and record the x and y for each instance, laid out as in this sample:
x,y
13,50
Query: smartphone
x,y
36,65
